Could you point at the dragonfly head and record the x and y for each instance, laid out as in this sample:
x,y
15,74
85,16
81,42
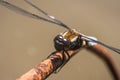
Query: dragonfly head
x,y
69,40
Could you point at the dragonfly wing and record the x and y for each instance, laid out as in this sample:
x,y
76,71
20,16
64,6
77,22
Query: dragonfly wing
x,y
103,44
24,12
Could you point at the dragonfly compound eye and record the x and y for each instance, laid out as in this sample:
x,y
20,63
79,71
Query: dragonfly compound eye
x,y
61,43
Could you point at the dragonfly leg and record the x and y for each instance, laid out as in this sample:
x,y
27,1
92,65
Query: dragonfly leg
x,y
66,58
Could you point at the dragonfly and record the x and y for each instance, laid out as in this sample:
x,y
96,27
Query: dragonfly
x,y
69,40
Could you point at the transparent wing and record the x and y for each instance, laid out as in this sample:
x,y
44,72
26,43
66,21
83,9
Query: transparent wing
x,y
26,13
105,45
46,14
